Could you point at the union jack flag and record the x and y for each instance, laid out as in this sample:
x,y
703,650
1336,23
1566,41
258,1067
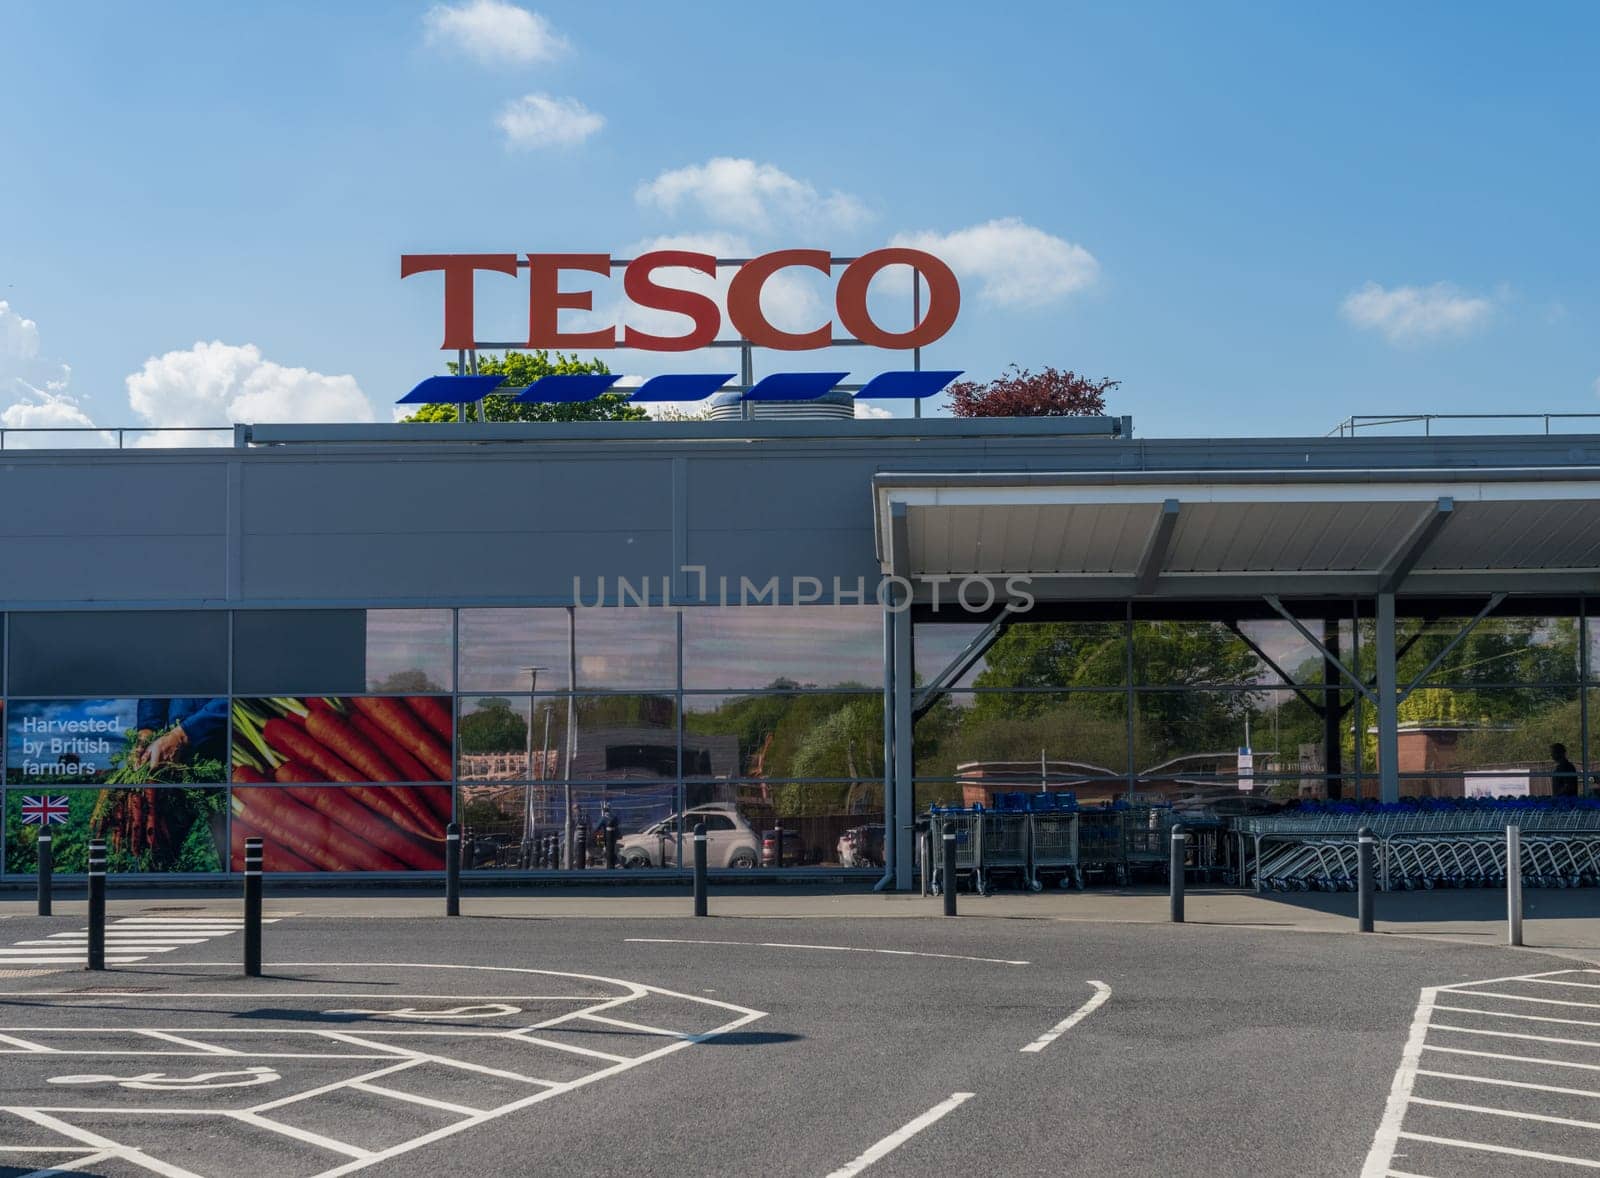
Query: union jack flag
x,y
50,810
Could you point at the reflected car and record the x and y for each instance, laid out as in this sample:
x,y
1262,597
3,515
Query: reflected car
x,y
794,848
730,840
862,846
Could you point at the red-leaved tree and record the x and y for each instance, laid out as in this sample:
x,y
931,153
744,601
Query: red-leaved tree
x,y
1021,393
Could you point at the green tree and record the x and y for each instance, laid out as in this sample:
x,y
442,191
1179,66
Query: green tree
x,y
493,727
520,370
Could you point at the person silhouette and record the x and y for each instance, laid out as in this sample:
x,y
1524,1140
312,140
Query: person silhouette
x,y
1564,777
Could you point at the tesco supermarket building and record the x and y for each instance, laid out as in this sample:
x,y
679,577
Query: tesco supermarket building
x,y
340,636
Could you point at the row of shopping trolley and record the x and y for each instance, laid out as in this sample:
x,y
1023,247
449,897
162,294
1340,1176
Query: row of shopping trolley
x,y
1031,848
1424,861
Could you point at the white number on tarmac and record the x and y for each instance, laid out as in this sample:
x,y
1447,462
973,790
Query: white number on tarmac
x,y
486,1010
163,1082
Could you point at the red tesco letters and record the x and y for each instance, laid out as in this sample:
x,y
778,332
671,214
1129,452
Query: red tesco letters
x,y
546,299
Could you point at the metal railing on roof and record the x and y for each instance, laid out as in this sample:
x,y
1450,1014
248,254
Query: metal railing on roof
x,y
1440,423
112,437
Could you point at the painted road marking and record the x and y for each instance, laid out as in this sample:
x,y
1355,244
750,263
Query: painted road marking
x,y
1565,1159
129,939
823,948
902,1135
1422,1045
413,1072
162,1082
1102,992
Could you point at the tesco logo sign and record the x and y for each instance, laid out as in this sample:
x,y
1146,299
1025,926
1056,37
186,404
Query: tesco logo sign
x,y
643,287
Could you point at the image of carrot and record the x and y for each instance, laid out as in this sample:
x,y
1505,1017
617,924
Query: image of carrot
x,y
273,857
433,712
278,822
289,741
438,800
309,834
404,807
348,745
410,814
244,775
409,768
336,804
399,721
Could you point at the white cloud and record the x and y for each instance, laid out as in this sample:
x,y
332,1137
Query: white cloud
x,y
865,411
752,196
494,32
1405,314
539,120
216,384
36,388
1013,263
19,337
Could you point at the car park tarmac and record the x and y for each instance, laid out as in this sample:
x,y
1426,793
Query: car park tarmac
x,y
784,1046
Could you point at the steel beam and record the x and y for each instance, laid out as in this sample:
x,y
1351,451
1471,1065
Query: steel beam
x,y
1461,635
1406,554
1156,546
960,665
1316,643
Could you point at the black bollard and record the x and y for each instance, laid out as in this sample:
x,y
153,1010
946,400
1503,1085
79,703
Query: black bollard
x,y
948,875
611,843
46,868
699,868
252,907
97,904
1175,871
1365,842
581,855
452,869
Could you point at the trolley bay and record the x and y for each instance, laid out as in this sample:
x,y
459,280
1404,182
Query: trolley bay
x,y
782,1046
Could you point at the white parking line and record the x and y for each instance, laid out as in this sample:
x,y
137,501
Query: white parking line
x,y
1515,1035
902,1135
1487,1111
821,948
1564,1052
1565,1159
368,1078
1549,1063
1498,1083
1101,993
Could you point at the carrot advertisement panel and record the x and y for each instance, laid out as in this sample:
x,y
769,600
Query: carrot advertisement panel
x,y
342,740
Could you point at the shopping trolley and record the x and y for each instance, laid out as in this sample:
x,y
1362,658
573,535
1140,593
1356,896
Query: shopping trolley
x,y
964,824
1003,849
1053,838
1100,846
1144,838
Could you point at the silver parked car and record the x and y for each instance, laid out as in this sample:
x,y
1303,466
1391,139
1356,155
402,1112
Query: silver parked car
x,y
730,840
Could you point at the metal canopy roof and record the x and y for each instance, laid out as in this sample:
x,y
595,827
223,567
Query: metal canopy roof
x,y
1208,534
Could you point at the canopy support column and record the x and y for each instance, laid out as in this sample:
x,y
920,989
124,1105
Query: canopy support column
x,y
905,809
1388,705
899,836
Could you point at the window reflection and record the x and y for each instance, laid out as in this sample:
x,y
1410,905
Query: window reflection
x,y
409,650
751,647
793,735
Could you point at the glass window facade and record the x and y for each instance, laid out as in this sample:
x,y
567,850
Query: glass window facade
x,y
347,739
1230,702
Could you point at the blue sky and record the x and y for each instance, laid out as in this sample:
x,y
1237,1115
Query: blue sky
x,y
1261,218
